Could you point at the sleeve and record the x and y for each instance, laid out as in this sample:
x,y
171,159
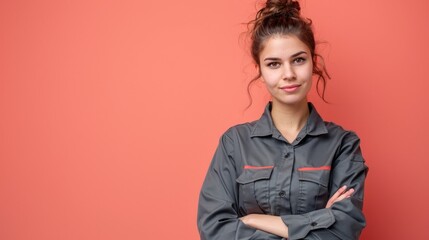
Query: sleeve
x,y
345,219
218,214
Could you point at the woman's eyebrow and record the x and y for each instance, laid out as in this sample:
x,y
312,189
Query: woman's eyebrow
x,y
272,59
278,59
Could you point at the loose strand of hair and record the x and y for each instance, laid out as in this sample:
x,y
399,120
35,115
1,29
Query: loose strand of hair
x,y
322,72
249,93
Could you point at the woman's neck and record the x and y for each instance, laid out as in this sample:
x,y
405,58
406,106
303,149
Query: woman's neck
x,y
290,119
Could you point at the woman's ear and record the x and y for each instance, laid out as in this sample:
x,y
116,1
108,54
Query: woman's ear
x,y
314,63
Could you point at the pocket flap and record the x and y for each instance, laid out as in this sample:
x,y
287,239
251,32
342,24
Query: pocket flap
x,y
320,177
252,175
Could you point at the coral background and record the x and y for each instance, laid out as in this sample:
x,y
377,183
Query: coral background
x,y
110,111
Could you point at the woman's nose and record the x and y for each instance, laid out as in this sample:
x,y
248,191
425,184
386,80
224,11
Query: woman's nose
x,y
288,72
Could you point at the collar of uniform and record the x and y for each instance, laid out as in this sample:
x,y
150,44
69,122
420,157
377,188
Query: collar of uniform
x,y
315,124
265,126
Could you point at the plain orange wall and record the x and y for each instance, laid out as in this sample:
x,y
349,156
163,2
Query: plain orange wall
x,y
110,111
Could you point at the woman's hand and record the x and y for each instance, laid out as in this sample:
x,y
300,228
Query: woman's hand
x,y
340,195
266,223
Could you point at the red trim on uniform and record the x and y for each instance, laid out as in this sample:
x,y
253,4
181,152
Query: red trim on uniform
x,y
257,167
315,168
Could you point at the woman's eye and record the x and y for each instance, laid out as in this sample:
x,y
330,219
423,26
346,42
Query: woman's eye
x,y
273,65
299,60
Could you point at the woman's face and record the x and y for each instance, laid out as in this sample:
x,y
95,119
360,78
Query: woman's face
x,y
287,68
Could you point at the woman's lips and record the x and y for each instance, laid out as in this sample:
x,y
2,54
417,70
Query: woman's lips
x,y
291,88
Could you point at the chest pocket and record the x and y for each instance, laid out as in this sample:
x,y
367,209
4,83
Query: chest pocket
x,y
313,188
254,185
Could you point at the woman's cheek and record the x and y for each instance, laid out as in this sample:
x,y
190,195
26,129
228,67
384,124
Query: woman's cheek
x,y
270,78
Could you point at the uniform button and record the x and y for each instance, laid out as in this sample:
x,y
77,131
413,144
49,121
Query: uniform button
x,y
314,224
286,155
282,194
298,138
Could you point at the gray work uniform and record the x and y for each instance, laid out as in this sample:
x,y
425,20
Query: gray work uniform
x,y
255,170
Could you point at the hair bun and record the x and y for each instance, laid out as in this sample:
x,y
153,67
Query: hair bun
x,y
290,8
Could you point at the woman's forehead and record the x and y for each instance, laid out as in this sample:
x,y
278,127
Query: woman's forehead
x,y
283,46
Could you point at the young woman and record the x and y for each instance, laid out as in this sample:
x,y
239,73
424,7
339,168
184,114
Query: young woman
x,y
289,174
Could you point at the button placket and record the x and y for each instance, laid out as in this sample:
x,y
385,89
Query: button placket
x,y
286,155
287,152
284,179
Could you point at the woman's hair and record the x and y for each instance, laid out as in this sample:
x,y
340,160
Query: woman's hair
x,y
280,18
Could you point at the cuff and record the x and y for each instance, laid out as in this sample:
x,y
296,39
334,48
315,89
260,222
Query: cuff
x,y
300,225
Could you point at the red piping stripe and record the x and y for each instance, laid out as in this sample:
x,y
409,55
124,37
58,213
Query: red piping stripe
x,y
256,167
314,168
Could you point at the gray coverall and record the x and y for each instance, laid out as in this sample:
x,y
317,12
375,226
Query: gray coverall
x,y
255,170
